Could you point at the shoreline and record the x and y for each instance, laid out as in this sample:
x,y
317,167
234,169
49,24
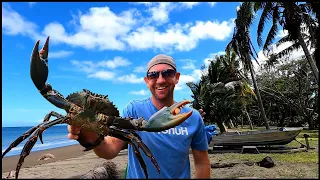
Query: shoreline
x,y
61,153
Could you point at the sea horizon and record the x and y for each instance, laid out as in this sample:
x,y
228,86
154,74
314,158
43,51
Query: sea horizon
x,y
53,137
31,126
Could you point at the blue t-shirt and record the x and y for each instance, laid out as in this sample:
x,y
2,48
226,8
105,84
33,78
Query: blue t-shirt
x,y
170,148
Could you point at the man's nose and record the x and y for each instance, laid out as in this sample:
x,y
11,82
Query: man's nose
x,y
160,79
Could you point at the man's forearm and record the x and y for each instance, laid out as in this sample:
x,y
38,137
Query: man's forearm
x,y
202,171
108,149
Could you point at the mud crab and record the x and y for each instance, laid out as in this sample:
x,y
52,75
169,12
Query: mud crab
x,y
93,112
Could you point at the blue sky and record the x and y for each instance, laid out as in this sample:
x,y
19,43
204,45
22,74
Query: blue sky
x,y
104,47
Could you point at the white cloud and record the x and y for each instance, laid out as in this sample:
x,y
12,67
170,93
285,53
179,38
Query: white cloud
x,y
141,92
197,73
60,54
13,23
212,30
103,75
189,5
140,69
281,34
102,29
89,66
183,80
193,77
238,7
212,3
99,28
116,62
294,55
84,66
160,12
95,70
179,37
188,64
131,78
212,57
31,4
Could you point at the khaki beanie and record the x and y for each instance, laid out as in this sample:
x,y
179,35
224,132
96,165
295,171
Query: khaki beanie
x,y
161,59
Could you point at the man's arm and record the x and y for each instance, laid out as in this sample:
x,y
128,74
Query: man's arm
x,y
109,148
201,164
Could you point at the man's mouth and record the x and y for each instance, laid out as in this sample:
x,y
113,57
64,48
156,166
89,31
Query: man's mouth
x,y
161,88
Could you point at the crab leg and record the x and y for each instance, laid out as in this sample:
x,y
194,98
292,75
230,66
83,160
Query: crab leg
x,y
33,139
135,140
20,139
30,131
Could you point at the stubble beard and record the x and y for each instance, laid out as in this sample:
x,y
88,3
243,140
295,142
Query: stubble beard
x,y
168,97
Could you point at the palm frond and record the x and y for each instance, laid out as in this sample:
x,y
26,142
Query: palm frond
x,y
273,30
288,50
265,16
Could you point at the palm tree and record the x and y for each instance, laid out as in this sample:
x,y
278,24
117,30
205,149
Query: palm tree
x,y
241,44
314,6
222,92
292,16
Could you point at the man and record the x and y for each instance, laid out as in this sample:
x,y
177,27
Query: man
x,y
171,147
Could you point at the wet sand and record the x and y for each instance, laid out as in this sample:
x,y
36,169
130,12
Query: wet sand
x,y
69,161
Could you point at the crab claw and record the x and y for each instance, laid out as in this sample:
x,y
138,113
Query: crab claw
x,y
39,65
167,117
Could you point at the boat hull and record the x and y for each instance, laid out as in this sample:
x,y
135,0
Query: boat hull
x,y
257,138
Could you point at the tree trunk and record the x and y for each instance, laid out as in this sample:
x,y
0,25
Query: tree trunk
x,y
309,57
283,117
248,118
230,124
221,127
241,122
258,94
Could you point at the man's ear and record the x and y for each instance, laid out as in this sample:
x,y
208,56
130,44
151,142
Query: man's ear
x,y
177,77
146,80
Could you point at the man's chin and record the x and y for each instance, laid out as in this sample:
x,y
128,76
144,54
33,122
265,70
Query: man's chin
x,y
161,96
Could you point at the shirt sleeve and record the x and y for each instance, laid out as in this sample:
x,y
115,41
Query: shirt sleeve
x,y
199,140
128,111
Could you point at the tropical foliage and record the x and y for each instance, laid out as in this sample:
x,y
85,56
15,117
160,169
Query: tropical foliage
x,y
281,94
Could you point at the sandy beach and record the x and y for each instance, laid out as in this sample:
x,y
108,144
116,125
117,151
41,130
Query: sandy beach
x,y
72,161
69,161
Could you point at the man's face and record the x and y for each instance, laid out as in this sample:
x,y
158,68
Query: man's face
x,y
162,87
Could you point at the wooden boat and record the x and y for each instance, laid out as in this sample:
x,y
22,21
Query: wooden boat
x,y
280,136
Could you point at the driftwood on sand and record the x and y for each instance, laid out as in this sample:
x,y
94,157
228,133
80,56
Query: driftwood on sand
x,y
10,175
46,157
106,170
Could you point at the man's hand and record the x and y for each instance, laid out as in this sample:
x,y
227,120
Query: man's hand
x,y
202,113
75,130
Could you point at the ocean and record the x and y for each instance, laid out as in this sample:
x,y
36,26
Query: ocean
x,y
53,137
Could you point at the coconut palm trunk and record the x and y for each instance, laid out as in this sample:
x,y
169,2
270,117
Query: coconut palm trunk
x,y
308,56
263,114
248,118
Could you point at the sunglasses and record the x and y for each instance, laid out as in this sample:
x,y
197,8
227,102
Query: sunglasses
x,y
168,73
